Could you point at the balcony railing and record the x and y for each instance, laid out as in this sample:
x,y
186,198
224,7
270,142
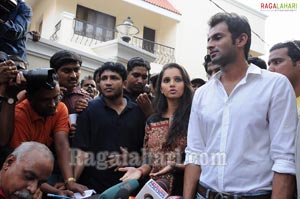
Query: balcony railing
x,y
88,35
164,54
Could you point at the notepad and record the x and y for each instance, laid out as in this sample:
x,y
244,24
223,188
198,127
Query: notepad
x,y
88,193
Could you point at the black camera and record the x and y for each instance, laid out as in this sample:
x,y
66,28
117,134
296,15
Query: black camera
x,y
20,64
45,77
6,7
35,77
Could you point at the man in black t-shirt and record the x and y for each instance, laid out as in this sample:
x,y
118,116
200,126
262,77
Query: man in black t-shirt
x,y
110,126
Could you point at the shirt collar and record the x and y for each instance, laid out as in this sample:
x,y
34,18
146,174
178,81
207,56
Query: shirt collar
x,y
252,69
75,90
33,115
129,103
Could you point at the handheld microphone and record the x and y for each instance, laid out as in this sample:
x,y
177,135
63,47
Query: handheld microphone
x,y
154,190
120,191
164,183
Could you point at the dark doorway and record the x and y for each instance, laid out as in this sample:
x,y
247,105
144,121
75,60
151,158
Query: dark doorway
x,y
149,39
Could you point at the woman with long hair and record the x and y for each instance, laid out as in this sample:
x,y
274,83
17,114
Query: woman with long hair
x,y
166,129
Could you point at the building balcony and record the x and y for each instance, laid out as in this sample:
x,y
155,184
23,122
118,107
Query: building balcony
x,y
89,37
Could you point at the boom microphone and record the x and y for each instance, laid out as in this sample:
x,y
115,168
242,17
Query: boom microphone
x,y
120,191
154,190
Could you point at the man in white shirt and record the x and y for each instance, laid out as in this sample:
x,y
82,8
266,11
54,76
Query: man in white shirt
x,y
245,115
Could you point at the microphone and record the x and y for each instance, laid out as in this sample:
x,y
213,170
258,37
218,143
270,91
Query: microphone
x,y
175,197
164,183
120,191
154,190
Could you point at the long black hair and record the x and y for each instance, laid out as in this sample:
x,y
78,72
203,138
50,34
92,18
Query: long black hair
x,y
178,128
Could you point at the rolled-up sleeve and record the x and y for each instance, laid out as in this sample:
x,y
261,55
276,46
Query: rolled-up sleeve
x,y
283,124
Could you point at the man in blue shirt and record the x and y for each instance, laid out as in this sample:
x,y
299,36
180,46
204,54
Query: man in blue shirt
x,y
13,31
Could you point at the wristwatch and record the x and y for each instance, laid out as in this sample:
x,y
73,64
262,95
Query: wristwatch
x,y
11,100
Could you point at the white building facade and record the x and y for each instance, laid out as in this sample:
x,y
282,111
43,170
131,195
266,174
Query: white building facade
x,y
169,31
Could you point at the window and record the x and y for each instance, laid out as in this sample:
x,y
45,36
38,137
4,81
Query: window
x,y
149,39
93,24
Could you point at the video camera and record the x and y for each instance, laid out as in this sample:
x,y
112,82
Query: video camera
x,y
20,64
35,77
6,7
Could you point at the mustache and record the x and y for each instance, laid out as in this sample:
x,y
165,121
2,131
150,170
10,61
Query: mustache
x,y
90,90
73,79
23,194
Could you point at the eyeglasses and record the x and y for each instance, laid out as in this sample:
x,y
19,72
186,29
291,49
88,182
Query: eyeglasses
x,y
137,75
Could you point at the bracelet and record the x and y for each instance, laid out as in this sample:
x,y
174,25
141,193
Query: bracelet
x,y
141,170
70,180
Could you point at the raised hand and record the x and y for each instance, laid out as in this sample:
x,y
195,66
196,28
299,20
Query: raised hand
x,y
131,173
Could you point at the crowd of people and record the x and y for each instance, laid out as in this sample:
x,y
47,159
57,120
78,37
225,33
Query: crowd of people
x,y
233,136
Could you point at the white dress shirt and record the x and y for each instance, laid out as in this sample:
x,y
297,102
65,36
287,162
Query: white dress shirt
x,y
254,127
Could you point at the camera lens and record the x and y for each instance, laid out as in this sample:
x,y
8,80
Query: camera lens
x,y
3,56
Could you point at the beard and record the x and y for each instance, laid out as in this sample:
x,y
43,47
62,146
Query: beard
x,y
117,94
225,59
23,194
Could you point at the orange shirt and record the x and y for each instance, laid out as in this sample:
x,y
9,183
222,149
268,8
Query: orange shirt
x,y
29,126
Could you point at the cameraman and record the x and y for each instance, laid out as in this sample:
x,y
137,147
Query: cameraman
x,y
13,29
43,118
8,73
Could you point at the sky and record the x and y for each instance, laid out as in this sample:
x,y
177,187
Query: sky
x,y
280,25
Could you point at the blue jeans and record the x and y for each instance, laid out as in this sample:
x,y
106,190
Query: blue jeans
x,y
198,196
